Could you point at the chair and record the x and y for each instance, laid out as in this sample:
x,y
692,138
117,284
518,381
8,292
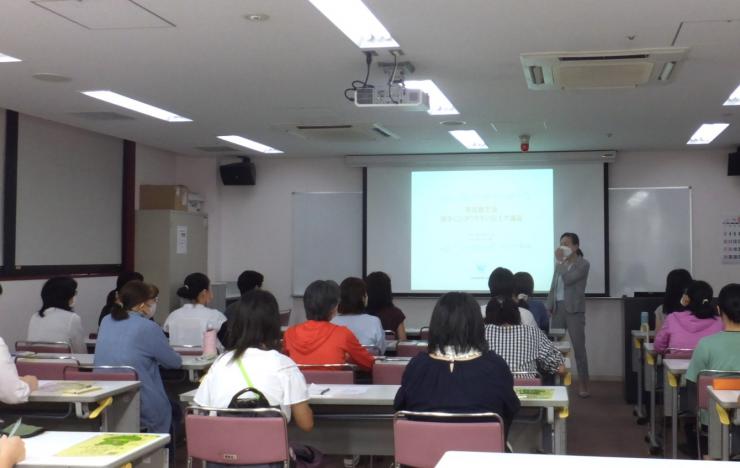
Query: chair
x,y
232,439
421,443
704,380
285,317
387,372
424,333
390,335
188,350
107,373
328,373
527,379
410,348
57,347
45,368
372,349
678,353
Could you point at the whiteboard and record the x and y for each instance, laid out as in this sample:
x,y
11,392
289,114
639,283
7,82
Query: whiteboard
x,y
327,237
649,235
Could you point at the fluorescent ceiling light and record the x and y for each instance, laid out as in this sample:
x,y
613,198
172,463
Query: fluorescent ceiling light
x,y
136,106
734,99
706,133
469,139
7,58
251,144
357,22
438,102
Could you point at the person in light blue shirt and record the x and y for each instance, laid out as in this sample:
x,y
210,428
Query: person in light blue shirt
x,y
128,338
367,328
523,290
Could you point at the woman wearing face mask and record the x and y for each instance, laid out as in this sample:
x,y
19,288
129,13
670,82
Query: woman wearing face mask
x,y
56,320
128,338
567,301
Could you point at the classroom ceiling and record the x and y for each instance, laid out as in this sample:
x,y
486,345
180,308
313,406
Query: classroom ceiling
x,y
202,59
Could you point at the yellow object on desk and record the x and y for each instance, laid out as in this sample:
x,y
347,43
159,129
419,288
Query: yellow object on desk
x,y
70,388
107,445
534,392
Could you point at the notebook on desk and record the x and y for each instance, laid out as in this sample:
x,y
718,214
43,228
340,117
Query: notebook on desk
x,y
70,388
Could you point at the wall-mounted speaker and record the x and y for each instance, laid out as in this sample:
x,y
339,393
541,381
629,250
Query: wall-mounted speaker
x,y
733,163
239,173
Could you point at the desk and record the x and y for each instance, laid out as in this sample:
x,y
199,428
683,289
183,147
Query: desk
x,y
362,423
563,346
557,334
674,370
121,416
193,364
477,459
719,432
41,452
638,337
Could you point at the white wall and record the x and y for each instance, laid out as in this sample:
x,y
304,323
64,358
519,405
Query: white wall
x,y
154,167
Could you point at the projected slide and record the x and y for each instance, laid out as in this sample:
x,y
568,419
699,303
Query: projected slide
x,y
466,223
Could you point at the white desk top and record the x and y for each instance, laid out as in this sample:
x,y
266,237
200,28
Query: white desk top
x,y
557,332
649,347
727,399
383,395
188,362
476,459
41,450
107,388
563,346
393,361
641,334
676,366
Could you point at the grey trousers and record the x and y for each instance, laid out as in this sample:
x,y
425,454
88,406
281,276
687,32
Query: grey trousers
x,y
576,326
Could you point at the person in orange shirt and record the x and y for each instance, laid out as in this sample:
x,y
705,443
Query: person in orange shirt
x,y
317,341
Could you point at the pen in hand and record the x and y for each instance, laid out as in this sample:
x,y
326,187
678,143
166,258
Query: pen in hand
x,y
16,426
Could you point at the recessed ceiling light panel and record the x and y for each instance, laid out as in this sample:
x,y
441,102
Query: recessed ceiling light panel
x,y
357,22
136,106
707,133
469,139
438,102
251,144
734,99
7,59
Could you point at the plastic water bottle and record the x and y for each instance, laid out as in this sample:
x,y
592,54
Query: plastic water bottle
x,y
645,325
209,342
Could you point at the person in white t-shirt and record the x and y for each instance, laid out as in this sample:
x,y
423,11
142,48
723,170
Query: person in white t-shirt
x,y
56,320
254,361
187,324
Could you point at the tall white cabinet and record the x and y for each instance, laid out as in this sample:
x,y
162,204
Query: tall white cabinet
x,y
169,246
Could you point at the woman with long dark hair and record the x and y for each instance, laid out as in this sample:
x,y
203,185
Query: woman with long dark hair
x,y
56,320
676,283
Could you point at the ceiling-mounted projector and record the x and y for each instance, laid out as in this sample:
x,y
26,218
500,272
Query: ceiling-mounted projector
x,y
395,97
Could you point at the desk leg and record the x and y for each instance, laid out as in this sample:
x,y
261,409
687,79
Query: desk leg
x,y
158,459
124,414
650,384
717,439
637,360
674,421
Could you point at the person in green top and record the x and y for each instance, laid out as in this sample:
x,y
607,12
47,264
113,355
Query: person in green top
x,y
716,352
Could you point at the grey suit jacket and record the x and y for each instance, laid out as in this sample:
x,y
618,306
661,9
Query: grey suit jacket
x,y
574,282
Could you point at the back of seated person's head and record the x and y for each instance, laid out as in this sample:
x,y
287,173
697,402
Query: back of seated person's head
x,y
352,294
257,323
523,286
700,295
676,283
729,302
127,276
248,281
379,293
501,282
58,292
193,286
320,300
131,297
457,325
502,309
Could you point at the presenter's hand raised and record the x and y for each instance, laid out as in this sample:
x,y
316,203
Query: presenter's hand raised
x,y
559,254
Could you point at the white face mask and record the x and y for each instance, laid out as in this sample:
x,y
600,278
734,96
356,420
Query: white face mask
x,y
567,251
152,309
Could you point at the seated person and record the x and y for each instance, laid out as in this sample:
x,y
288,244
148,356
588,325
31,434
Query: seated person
x,y
717,351
523,290
12,451
676,284
56,320
128,338
683,330
459,374
524,348
13,389
317,340
112,298
187,324
247,281
380,304
254,360
501,285
367,328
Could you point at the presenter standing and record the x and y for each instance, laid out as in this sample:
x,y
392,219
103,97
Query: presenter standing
x,y
567,301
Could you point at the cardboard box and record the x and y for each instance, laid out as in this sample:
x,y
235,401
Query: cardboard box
x,y
163,197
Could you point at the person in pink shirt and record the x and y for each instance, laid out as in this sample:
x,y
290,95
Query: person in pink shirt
x,y
682,331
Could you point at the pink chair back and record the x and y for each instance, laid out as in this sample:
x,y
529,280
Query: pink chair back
x,y
285,317
390,334
107,373
409,348
422,443
424,333
188,350
702,394
526,379
57,347
45,368
678,353
236,440
388,373
319,376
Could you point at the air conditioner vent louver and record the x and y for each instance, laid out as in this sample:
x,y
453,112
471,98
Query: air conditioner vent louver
x,y
340,133
601,69
104,116
215,149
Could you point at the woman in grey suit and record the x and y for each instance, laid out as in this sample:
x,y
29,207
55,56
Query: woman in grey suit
x,y
567,301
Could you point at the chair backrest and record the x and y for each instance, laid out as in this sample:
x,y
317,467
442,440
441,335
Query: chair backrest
x,y
526,379
237,440
107,373
390,334
424,333
285,317
372,349
409,348
705,379
186,350
328,375
44,368
678,353
421,443
388,373
59,347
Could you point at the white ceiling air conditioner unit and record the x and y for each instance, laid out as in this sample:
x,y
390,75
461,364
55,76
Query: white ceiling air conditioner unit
x,y
606,69
341,133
